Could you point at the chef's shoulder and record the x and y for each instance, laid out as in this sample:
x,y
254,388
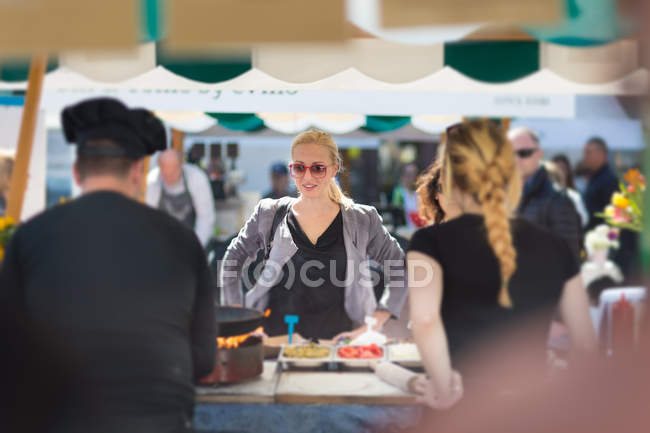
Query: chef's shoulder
x,y
42,227
45,219
167,225
62,218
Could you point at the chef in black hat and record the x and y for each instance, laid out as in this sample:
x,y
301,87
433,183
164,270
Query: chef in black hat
x,y
121,292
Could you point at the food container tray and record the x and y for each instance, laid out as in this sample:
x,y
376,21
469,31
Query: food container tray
x,y
359,362
410,357
306,362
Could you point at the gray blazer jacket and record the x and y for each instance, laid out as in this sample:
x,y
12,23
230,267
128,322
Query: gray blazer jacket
x,y
365,239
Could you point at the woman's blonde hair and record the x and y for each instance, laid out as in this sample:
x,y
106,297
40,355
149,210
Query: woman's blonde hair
x,y
6,168
478,160
314,136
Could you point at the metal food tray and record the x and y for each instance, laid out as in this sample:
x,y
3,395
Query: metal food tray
x,y
361,362
306,362
405,362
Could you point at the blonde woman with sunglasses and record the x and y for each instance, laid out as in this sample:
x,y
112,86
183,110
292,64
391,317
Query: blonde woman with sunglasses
x,y
317,261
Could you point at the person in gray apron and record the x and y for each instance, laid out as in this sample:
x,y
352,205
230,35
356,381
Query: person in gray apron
x,y
182,191
180,206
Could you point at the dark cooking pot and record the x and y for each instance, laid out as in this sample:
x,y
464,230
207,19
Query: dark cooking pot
x,y
245,361
233,321
234,365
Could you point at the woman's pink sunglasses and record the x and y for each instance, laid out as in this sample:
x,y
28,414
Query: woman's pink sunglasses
x,y
298,170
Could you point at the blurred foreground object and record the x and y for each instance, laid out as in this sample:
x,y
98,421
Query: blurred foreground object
x,y
593,396
53,25
192,22
404,13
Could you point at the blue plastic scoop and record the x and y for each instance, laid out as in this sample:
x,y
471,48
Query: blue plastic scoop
x,y
291,320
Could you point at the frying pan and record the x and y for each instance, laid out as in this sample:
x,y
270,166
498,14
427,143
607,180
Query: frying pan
x,y
237,321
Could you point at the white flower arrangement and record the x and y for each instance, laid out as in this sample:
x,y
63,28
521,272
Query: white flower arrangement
x,y
601,238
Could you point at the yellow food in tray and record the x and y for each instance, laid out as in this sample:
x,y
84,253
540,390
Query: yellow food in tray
x,y
312,351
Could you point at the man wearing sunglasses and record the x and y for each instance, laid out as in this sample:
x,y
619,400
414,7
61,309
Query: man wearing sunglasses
x,y
542,202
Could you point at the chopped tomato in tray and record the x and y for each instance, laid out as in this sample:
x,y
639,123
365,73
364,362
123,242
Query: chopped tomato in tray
x,y
371,351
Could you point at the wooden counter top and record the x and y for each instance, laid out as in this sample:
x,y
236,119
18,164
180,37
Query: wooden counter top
x,y
307,387
258,390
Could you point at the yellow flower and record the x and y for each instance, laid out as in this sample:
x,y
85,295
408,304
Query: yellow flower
x,y
2,253
6,222
620,201
609,211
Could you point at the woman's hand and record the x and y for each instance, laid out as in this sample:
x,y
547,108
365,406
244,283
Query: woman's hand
x,y
350,334
381,316
428,396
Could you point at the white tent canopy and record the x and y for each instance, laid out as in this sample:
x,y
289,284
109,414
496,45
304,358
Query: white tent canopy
x,y
362,76
543,94
445,79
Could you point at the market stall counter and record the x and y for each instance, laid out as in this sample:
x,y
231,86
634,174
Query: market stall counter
x,y
286,398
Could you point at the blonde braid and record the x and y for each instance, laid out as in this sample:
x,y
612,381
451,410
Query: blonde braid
x,y
481,162
493,201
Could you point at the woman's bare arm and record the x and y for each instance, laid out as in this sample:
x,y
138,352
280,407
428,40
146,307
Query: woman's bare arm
x,y
574,308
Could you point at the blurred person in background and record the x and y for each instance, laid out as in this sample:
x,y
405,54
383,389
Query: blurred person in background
x,y
581,178
429,191
318,248
558,175
482,273
564,165
542,203
183,191
404,195
280,185
195,155
216,174
602,179
6,168
119,293
603,183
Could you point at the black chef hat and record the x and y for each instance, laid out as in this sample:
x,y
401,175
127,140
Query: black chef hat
x,y
137,131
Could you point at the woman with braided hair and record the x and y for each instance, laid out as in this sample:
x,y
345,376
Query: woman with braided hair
x,y
483,272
